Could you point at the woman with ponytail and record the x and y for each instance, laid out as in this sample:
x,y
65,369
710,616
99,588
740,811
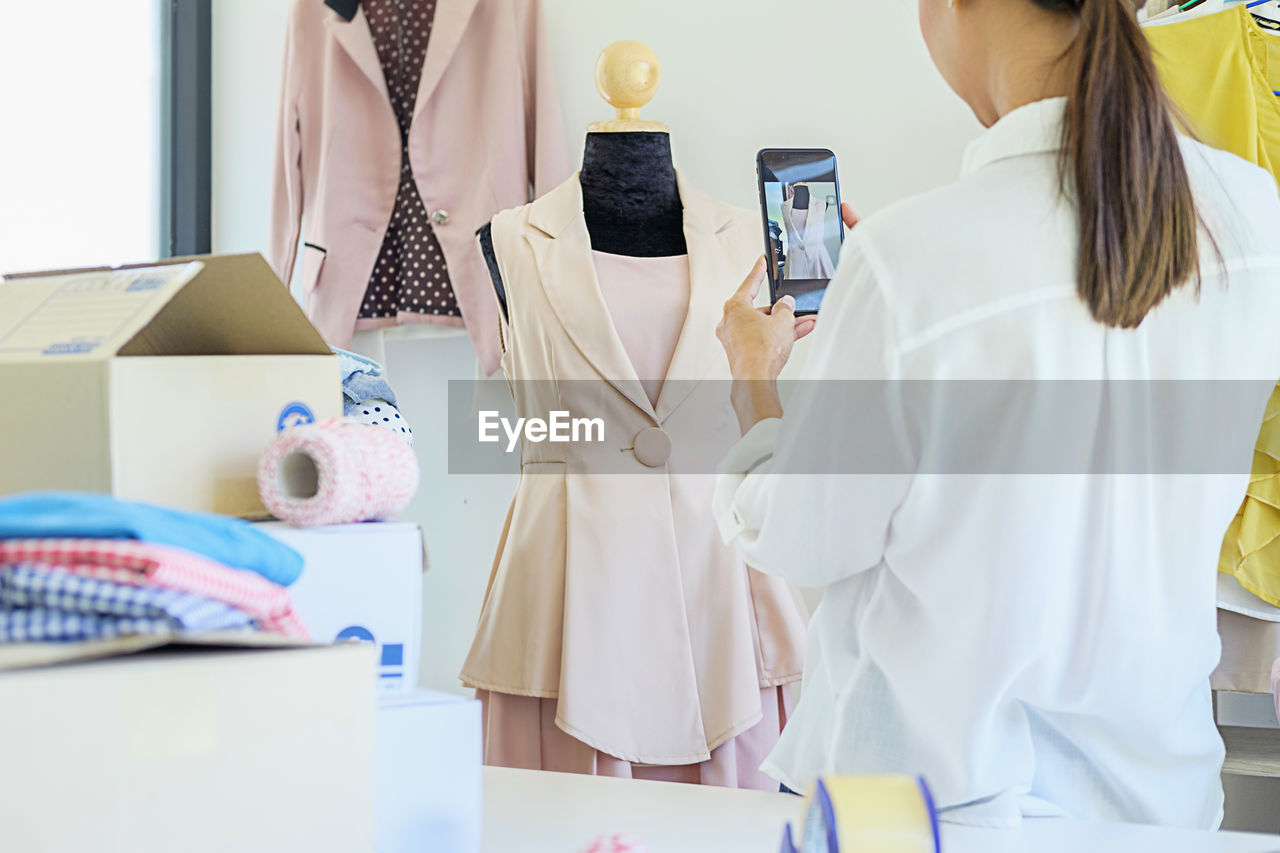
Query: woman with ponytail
x,y
1019,569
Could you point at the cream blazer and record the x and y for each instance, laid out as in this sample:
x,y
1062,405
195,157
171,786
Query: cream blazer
x,y
611,589
486,132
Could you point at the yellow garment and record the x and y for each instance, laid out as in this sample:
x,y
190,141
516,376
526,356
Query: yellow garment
x,y
1218,70
1222,72
1251,548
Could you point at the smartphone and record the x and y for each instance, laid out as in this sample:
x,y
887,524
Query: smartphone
x,y
803,230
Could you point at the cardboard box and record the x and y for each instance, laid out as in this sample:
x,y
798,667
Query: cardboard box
x,y
429,774
198,750
161,383
362,582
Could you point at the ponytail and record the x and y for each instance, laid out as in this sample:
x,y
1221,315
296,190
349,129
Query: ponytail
x,y
1120,154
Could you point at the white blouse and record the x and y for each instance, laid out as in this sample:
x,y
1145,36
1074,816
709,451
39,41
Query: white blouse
x,y
1033,640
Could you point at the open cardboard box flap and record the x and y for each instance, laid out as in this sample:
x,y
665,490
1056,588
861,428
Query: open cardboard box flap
x,y
30,655
171,377
209,305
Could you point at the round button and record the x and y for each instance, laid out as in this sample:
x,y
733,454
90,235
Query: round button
x,y
653,447
440,217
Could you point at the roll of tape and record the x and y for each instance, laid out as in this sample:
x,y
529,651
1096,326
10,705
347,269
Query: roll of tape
x,y
868,814
337,472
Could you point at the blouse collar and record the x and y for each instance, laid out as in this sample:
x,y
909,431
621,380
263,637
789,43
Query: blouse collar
x,y
1035,128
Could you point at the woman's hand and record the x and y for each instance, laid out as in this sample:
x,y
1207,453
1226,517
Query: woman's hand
x,y
846,213
758,342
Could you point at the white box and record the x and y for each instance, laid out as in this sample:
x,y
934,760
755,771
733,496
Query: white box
x,y
160,383
429,772
363,582
199,751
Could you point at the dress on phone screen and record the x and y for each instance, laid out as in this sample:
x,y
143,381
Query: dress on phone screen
x,y
807,253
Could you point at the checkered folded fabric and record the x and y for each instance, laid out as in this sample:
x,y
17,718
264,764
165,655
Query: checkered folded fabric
x,y
47,626
143,564
50,592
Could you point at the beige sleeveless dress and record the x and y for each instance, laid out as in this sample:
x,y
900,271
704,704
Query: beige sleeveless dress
x,y
619,635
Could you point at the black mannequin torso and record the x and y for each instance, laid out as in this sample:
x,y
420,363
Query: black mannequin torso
x,y
629,195
629,199
800,201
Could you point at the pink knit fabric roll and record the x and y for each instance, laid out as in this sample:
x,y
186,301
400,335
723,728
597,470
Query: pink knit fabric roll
x,y
337,472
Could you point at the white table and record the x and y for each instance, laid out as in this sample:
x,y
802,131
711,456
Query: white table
x,y
531,812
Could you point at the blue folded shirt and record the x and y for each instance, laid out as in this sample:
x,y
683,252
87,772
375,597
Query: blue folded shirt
x,y
362,380
226,540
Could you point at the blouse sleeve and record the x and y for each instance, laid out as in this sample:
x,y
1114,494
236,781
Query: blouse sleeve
x,y
810,497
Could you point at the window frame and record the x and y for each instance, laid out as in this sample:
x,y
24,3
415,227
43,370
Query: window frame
x,y
186,179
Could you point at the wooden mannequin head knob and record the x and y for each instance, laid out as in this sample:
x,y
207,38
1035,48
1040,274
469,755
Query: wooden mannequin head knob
x,y
627,76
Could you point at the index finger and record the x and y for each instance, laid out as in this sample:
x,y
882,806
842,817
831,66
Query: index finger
x,y
847,214
751,284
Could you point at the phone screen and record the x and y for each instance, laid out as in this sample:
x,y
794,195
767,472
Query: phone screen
x,y
800,195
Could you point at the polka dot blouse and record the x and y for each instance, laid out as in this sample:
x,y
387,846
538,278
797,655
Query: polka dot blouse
x,y
410,274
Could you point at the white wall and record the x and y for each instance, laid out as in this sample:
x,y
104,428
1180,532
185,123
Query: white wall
x,y
867,91
731,85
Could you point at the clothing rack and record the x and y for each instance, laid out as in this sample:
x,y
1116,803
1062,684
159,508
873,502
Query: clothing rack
x,y
1159,9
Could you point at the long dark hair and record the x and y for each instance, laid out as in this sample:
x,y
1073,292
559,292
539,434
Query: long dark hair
x,y
1120,154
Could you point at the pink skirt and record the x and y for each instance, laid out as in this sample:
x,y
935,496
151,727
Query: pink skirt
x,y
521,732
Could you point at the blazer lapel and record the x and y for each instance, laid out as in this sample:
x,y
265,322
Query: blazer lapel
x,y
447,28
562,249
709,227
816,217
357,40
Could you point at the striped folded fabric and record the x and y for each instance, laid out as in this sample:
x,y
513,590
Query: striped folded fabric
x,y
39,602
143,564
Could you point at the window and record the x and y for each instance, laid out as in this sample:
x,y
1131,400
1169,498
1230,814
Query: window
x,y
80,133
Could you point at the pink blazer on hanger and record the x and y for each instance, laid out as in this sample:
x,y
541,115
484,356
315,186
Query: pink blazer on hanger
x,y
486,135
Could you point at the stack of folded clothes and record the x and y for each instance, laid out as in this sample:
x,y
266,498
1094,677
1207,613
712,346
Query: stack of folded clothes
x,y
79,567
367,397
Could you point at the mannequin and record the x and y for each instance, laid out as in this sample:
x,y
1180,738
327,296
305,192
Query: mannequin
x,y
615,281
805,221
800,201
629,193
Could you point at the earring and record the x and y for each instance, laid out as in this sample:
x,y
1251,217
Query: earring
x,y
951,4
